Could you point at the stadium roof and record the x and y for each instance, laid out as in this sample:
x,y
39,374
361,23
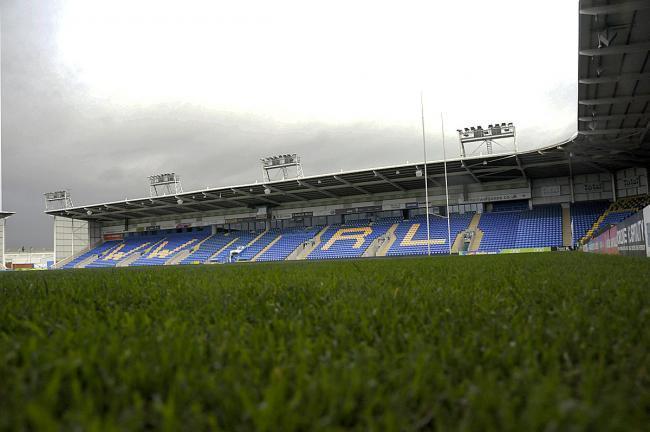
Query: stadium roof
x,y
613,122
548,162
4,215
614,82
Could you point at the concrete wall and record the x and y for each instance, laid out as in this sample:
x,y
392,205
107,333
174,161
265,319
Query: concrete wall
x,y
555,190
631,182
70,237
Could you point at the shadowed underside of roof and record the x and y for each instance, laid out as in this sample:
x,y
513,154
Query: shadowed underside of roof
x,y
614,81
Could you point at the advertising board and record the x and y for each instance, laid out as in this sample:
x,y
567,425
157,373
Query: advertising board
x,y
631,238
646,221
605,243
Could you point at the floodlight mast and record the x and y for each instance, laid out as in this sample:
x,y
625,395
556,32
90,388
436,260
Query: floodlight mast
x,y
289,165
165,184
59,200
486,138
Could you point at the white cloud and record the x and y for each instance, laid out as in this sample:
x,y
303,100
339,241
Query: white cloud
x,y
333,62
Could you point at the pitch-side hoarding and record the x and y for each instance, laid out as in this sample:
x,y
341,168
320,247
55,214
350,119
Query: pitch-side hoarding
x,y
631,236
646,221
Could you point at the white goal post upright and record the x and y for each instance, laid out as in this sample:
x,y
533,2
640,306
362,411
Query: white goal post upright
x,y
426,177
444,158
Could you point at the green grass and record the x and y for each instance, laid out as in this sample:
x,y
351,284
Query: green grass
x,y
519,342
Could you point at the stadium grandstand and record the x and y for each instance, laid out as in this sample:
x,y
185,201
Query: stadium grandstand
x,y
555,197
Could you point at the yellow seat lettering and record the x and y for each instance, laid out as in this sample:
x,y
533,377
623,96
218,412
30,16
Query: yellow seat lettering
x,y
358,234
408,238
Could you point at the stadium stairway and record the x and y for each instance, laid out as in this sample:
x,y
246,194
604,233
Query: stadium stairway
x,y
124,250
391,238
475,244
181,256
87,256
302,252
253,248
202,252
567,229
287,243
135,257
350,240
266,248
617,212
379,242
412,234
165,250
218,253
478,234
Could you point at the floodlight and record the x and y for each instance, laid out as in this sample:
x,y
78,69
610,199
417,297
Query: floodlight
x,y
397,172
418,172
267,191
179,201
89,212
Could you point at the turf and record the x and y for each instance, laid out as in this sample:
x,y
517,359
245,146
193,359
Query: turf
x,y
521,342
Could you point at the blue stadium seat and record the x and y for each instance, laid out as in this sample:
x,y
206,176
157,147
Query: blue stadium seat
x,y
540,227
584,215
412,234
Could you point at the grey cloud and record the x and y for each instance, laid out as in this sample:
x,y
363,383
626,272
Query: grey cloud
x,y
55,134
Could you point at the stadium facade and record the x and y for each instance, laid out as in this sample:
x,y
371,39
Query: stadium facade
x,y
553,197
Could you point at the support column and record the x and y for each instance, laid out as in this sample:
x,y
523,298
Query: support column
x,y
2,244
573,196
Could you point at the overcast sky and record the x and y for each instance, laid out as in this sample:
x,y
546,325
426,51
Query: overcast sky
x,y
97,95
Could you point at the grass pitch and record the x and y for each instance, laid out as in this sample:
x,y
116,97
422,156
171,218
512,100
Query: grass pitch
x,y
525,342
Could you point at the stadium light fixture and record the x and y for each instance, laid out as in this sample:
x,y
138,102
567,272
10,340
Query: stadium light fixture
x,y
179,201
283,163
267,191
58,200
418,172
486,138
164,184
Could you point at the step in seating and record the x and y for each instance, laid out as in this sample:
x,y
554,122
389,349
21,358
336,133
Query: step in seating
x,y
252,250
584,215
202,252
290,240
242,239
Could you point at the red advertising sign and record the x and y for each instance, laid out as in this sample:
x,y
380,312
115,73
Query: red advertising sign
x,y
113,237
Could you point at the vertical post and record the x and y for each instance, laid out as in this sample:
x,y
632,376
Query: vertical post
x,y
426,176
444,158
573,197
514,132
612,175
72,231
